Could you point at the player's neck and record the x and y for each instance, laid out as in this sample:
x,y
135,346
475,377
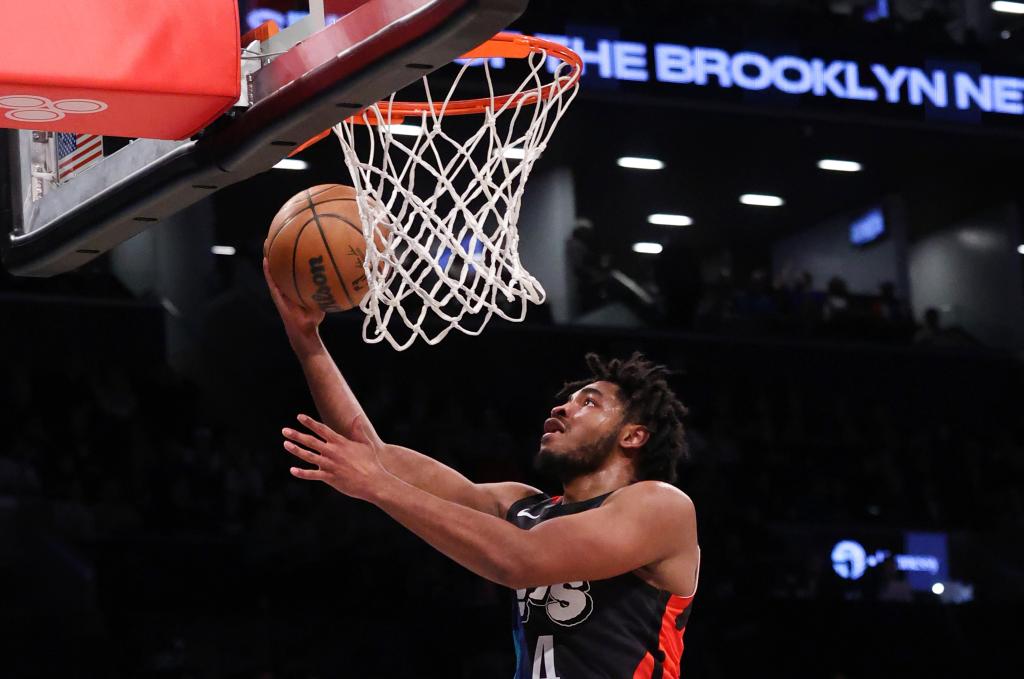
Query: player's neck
x,y
618,473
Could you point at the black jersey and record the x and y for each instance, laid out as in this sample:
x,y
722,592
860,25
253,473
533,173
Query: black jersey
x,y
619,628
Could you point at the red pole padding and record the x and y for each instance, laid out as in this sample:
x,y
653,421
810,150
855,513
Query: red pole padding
x,y
161,70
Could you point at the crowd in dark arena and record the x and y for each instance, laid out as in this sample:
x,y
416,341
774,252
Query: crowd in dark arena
x,y
154,529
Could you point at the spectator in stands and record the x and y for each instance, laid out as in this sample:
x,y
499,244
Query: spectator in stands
x,y
888,307
588,266
837,300
678,276
933,334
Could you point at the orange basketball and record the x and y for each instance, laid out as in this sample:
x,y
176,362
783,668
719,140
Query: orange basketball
x,y
316,248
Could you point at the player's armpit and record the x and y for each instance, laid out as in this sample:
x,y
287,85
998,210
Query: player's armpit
x,y
640,525
504,495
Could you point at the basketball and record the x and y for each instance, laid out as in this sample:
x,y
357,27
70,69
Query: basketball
x,y
315,248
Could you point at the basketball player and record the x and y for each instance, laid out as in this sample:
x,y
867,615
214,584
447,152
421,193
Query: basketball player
x,y
604,574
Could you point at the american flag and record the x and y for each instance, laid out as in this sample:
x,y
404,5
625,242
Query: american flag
x,y
75,152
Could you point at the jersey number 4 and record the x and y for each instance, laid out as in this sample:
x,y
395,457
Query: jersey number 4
x,y
544,658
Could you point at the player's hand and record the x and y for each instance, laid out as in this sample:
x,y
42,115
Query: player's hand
x,y
299,322
351,465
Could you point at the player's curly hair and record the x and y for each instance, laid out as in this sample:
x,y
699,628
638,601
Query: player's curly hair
x,y
649,401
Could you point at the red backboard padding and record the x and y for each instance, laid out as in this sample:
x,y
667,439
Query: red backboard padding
x,y
161,70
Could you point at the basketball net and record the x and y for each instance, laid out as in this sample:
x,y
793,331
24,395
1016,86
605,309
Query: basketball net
x,y
450,196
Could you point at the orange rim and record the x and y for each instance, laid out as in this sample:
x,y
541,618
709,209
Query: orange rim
x,y
506,45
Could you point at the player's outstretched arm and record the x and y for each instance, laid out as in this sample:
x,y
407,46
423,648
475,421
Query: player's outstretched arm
x,y
644,524
334,399
339,407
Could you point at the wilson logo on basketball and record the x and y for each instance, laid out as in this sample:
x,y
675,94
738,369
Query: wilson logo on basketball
x,y
315,248
323,297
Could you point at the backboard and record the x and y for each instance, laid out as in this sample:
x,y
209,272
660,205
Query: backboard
x,y
287,97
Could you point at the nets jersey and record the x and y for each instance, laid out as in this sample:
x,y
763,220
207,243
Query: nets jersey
x,y
619,628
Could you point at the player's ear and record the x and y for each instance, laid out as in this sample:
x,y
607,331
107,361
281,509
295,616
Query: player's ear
x,y
633,437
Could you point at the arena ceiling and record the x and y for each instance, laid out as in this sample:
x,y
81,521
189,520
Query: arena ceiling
x,y
715,151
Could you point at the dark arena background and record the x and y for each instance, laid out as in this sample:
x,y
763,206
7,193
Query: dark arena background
x,y
848,338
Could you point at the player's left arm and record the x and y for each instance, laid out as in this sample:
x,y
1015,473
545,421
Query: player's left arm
x,y
640,525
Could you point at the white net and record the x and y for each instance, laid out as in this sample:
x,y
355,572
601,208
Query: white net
x,y
449,191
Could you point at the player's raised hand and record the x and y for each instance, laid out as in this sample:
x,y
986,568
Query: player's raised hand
x,y
349,465
299,322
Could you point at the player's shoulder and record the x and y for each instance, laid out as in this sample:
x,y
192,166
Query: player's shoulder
x,y
654,495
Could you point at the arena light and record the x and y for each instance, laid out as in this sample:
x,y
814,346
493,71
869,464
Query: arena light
x,y
1020,249
669,220
514,152
833,165
761,200
222,250
1008,7
635,163
938,588
291,164
647,248
402,130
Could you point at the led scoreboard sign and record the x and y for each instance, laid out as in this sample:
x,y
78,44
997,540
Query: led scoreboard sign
x,y
941,88
959,91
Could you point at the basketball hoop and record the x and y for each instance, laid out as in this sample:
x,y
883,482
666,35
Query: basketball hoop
x,y
451,196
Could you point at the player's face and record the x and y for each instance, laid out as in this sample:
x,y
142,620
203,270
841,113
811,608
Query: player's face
x,y
582,432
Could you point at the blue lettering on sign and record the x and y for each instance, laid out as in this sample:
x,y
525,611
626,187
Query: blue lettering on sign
x,y
702,66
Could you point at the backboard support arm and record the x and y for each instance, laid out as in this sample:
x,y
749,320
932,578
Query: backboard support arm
x,y
298,31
